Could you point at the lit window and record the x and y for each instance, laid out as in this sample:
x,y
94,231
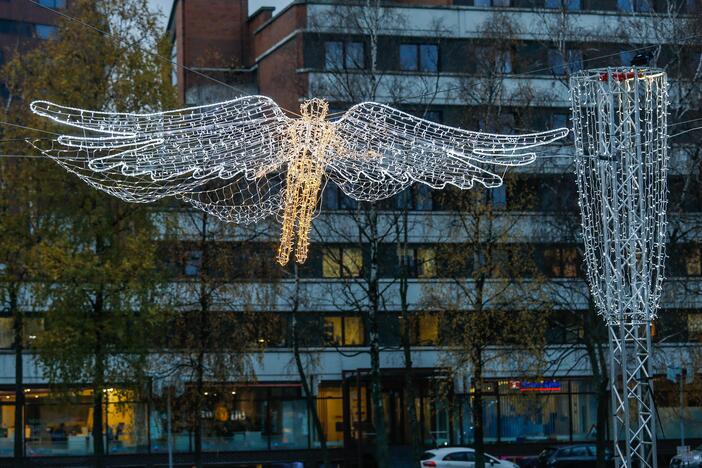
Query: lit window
x,y
420,262
428,329
426,262
333,330
342,262
694,325
45,31
343,331
561,261
693,262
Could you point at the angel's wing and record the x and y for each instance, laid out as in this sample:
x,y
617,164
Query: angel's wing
x,y
203,154
380,151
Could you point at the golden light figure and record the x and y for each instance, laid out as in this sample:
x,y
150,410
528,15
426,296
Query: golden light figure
x,y
244,160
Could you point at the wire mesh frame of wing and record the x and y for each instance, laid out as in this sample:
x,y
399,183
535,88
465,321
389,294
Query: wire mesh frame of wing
x,y
224,158
385,150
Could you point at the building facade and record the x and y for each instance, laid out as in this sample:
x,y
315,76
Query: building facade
x,y
493,65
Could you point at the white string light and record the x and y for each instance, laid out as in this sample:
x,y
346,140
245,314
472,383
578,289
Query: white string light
x,y
621,147
244,160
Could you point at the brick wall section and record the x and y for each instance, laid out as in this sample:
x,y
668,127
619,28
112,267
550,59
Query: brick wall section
x,y
278,63
272,32
210,34
278,76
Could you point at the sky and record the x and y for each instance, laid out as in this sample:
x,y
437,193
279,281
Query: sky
x,y
164,7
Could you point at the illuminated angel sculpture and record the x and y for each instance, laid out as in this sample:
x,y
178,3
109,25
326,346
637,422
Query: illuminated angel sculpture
x,y
244,160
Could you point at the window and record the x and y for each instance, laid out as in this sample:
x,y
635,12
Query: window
x,y
333,55
563,4
433,116
626,56
489,3
355,56
342,262
498,197
559,66
416,197
53,3
344,55
45,31
428,57
635,5
561,262
503,61
343,331
694,326
193,263
419,57
419,261
333,198
693,262
20,28
174,61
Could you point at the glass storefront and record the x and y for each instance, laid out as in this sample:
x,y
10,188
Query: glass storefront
x,y
522,411
265,417
233,418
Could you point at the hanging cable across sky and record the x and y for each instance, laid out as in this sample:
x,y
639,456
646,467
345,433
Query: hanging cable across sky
x,y
244,160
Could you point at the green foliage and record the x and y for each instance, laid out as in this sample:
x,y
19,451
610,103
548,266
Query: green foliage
x,y
91,257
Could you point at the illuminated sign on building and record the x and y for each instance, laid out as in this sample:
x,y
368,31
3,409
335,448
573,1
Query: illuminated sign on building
x,y
536,386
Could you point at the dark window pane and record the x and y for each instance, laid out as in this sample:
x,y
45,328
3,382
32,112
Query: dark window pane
x,y
429,57
355,57
408,57
44,31
330,197
555,62
333,55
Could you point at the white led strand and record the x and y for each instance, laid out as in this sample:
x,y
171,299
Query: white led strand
x,y
244,160
620,127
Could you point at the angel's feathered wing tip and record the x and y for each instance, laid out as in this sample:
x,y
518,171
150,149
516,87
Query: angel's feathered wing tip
x,y
45,108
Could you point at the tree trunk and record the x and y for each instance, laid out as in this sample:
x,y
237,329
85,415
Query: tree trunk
x,y
202,341
477,409
381,435
410,394
99,381
409,391
309,396
199,390
18,324
98,442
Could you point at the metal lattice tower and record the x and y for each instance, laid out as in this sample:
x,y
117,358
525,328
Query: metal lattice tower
x,y
619,120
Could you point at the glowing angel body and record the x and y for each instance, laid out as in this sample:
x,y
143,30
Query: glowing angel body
x,y
245,160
